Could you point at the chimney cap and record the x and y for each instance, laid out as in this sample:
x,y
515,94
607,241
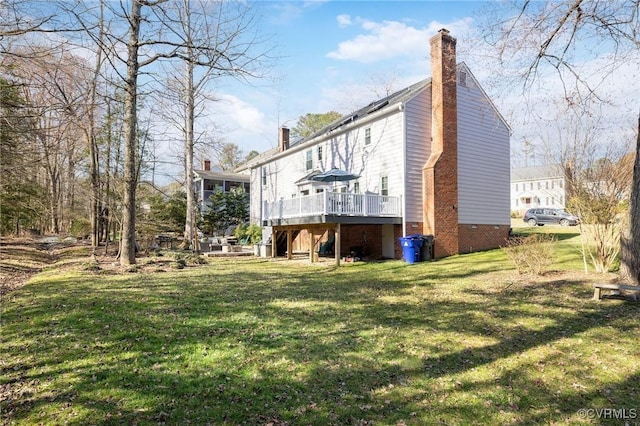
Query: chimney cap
x,y
444,31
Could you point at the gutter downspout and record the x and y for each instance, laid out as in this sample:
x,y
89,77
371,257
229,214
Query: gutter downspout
x,y
403,199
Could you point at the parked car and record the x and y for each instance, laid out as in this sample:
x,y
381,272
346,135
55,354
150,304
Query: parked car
x,y
542,216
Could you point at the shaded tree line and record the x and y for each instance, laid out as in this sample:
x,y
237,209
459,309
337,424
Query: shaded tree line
x,y
74,145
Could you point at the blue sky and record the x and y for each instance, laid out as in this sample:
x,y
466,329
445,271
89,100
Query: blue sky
x,y
341,55
335,55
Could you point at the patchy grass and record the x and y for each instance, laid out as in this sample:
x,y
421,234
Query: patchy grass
x,y
459,341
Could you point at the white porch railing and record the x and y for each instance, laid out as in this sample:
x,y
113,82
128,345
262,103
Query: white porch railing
x,y
333,203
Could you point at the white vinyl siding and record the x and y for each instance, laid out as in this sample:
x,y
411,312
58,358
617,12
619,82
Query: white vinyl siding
x,y
347,151
382,157
483,160
255,196
418,149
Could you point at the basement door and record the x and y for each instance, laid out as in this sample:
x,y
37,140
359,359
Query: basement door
x,y
387,241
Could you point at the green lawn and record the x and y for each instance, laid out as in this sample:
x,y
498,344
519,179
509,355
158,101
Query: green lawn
x,y
458,341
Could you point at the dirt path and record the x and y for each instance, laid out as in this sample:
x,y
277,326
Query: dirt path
x,y
22,258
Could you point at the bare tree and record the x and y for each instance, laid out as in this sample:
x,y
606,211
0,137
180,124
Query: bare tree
x,y
152,31
53,85
218,39
535,37
229,156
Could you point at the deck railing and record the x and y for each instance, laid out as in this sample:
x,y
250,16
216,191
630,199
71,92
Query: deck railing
x,y
333,203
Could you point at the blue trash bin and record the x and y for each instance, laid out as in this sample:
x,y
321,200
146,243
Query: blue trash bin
x,y
411,248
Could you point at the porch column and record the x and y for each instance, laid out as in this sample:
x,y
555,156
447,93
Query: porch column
x,y
337,245
289,244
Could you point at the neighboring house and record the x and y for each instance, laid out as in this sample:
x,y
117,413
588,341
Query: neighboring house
x,y
539,186
207,181
432,159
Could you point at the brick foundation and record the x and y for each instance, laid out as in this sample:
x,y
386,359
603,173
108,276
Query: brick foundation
x,y
482,237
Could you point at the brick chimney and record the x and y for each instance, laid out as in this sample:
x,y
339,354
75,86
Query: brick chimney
x,y
440,173
206,165
283,139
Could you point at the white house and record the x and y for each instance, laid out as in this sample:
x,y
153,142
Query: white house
x,y
207,181
432,158
538,186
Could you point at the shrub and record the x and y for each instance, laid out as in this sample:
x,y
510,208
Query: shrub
x,y
252,233
532,254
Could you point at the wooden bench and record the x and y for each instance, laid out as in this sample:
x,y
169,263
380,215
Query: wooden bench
x,y
598,287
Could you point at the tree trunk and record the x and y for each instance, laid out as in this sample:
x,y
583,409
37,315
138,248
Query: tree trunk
x,y
93,147
189,229
128,239
630,250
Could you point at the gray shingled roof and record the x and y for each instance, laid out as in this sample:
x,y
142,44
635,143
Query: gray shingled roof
x,y
537,172
215,175
400,96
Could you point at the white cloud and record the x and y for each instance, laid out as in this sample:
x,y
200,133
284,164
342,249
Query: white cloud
x,y
390,39
244,123
344,20
240,113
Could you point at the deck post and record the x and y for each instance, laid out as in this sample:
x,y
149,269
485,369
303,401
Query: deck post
x,y
337,244
274,242
311,244
289,244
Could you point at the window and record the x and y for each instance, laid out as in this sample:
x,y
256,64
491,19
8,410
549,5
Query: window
x,y
309,164
531,185
264,176
560,184
384,185
516,186
320,153
539,185
215,185
356,187
305,192
367,136
546,185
